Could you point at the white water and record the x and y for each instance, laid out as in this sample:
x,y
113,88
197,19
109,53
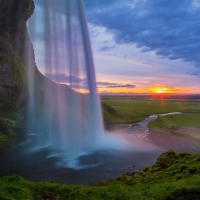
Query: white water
x,y
59,116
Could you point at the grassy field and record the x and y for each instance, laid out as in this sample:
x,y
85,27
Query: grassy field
x,y
173,175
183,120
128,110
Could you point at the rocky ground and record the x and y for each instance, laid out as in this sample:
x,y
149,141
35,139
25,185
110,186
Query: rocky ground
x,y
169,140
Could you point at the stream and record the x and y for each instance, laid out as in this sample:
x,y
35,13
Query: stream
x,y
140,129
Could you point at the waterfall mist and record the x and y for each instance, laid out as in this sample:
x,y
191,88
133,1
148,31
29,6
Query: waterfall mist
x,y
64,111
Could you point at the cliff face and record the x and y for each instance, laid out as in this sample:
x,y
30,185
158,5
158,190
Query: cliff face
x,y
13,34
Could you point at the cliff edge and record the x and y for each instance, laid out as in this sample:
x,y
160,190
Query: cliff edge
x,y
13,33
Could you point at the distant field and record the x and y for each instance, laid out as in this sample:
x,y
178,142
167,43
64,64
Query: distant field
x,y
187,120
128,110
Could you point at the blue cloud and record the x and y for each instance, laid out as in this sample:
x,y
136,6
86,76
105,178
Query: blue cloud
x,y
114,85
65,78
83,83
170,28
122,86
105,48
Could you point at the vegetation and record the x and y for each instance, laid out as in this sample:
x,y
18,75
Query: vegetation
x,y
18,66
131,110
11,128
186,124
170,121
109,114
172,175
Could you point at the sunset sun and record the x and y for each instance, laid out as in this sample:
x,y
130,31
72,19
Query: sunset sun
x,y
160,90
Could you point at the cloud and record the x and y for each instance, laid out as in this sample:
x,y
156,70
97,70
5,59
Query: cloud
x,y
170,28
114,85
65,78
83,83
123,86
195,73
105,48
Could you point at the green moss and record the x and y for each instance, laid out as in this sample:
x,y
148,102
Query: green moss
x,y
18,66
197,159
11,128
4,140
8,126
146,169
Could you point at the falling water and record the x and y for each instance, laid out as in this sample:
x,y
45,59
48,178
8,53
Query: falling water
x,y
64,108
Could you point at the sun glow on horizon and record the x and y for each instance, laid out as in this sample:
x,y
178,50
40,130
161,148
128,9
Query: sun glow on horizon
x,y
161,90
124,88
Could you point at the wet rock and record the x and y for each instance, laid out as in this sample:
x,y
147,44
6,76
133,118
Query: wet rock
x,y
13,34
15,13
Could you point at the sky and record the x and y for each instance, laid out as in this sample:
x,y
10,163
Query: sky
x,y
145,46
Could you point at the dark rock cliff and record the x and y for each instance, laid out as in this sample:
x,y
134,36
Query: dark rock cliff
x,y
13,34
17,59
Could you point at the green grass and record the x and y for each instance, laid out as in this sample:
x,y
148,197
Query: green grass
x,y
167,122
109,114
171,175
128,110
133,110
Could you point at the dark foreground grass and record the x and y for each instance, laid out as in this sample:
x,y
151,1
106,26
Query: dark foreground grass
x,y
130,110
172,175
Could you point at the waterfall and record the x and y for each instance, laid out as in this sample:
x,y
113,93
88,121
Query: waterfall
x,y
64,108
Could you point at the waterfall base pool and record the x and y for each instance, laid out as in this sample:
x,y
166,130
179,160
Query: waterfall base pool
x,y
90,167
